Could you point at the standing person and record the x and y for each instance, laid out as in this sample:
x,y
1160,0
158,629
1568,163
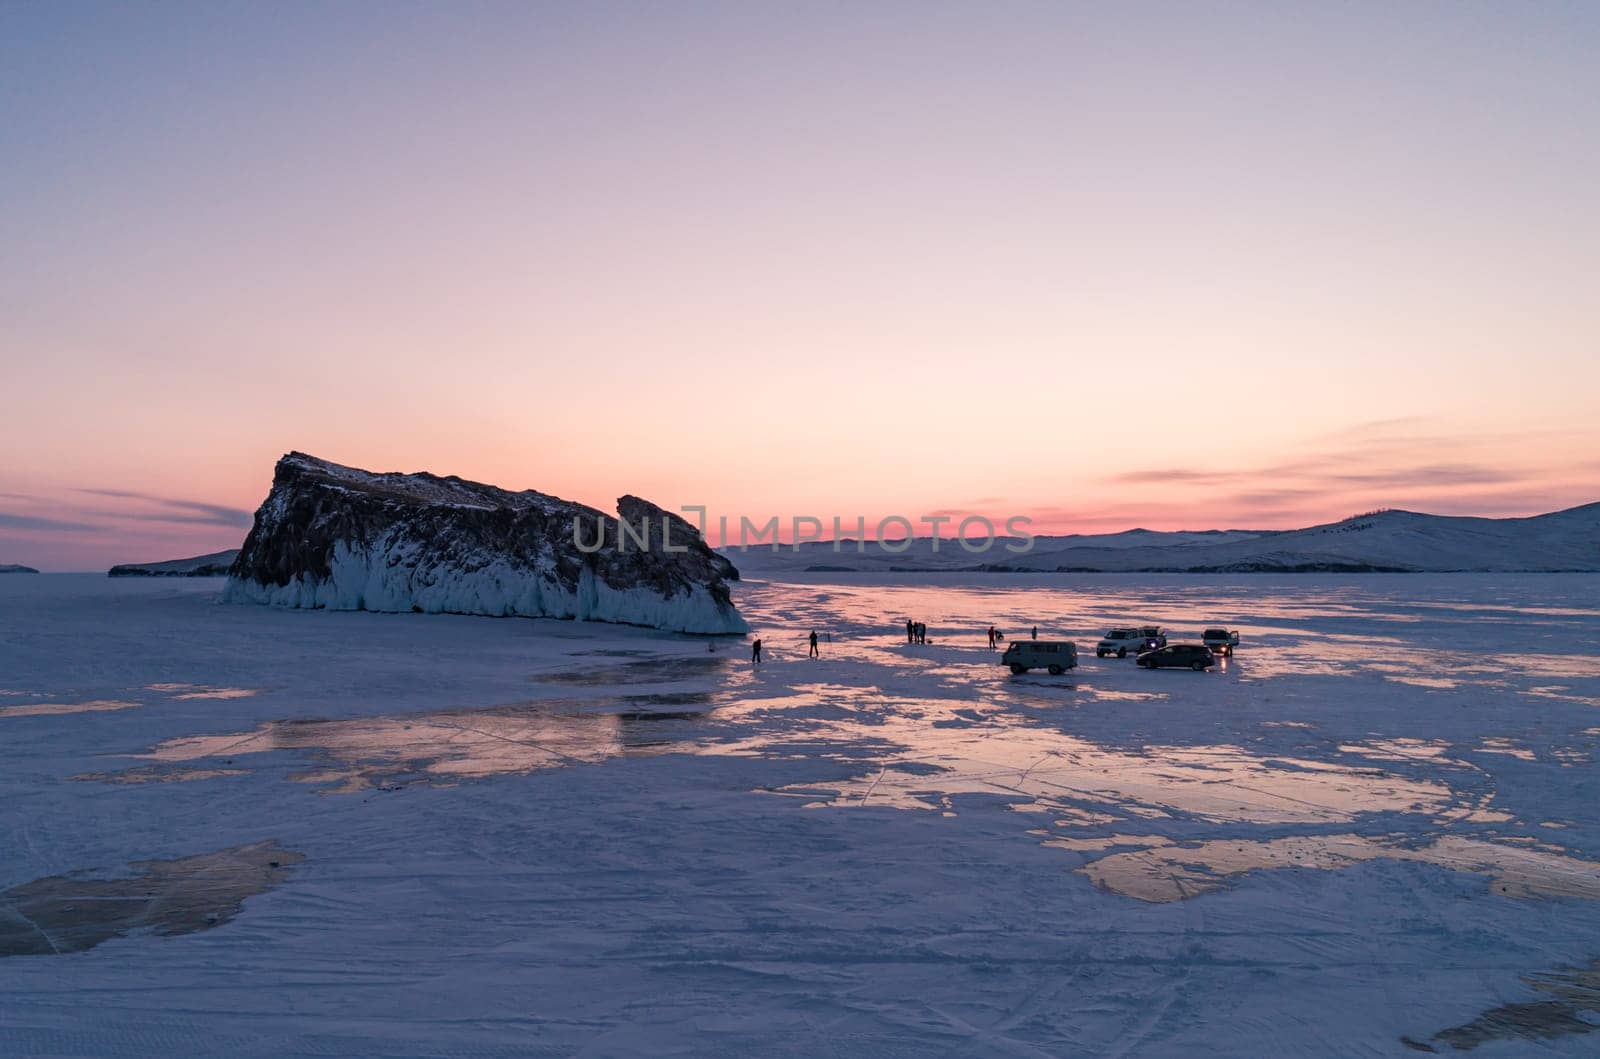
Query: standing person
x,y
1036,632
911,630
814,652
755,652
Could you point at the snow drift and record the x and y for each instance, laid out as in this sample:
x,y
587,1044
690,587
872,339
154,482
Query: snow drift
x,y
335,537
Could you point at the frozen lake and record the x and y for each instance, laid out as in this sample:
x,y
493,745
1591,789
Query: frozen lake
x,y
1372,831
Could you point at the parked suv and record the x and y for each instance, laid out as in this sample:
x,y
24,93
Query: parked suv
x,y
1195,656
1052,655
1134,638
1221,641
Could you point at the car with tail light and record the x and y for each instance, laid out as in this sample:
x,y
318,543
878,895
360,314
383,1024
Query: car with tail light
x,y
1195,656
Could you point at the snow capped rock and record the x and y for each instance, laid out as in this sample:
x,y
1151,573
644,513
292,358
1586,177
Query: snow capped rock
x,y
214,565
1380,541
329,536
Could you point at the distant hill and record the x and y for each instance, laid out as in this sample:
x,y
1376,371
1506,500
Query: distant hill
x,y
1383,541
214,565
13,568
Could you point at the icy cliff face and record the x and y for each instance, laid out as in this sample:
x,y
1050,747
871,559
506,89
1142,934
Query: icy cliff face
x,y
335,537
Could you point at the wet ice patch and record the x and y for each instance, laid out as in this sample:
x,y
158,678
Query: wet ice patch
x,y
159,774
70,913
1576,992
51,709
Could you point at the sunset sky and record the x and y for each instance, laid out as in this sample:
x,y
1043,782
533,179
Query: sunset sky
x,y
1161,265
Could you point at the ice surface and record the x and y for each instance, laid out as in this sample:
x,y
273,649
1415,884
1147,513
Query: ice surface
x,y
1375,822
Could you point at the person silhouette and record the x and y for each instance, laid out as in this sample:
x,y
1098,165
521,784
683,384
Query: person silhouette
x,y
814,652
1036,632
911,630
755,651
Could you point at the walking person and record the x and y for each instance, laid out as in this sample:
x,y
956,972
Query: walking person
x,y
814,652
755,652
1036,632
911,631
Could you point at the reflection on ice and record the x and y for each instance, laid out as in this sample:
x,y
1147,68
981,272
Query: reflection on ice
x,y
1507,747
201,691
1401,749
49,709
1046,770
1166,872
642,671
442,747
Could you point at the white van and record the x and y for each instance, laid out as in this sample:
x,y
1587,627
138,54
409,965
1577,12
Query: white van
x,y
1130,639
1056,656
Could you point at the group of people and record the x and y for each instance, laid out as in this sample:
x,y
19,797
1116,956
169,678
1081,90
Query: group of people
x,y
755,648
916,632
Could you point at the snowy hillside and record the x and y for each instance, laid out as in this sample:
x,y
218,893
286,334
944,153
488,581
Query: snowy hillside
x,y
335,537
1382,541
214,565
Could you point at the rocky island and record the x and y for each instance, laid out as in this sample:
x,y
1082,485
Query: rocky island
x,y
335,537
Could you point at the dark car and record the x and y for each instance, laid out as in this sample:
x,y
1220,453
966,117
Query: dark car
x,y
1193,656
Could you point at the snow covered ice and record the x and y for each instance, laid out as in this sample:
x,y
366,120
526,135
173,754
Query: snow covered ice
x,y
1369,832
